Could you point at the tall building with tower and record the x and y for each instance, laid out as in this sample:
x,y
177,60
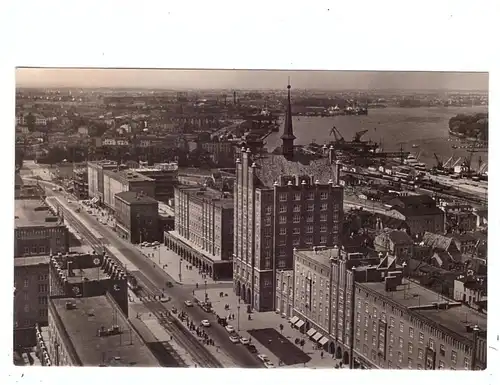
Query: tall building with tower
x,y
282,200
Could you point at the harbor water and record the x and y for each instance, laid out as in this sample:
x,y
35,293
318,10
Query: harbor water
x,y
423,130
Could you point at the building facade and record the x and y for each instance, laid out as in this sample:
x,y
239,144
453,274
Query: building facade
x,y
37,230
136,217
80,183
379,319
31,282
116,182
96,177
165,179
285,200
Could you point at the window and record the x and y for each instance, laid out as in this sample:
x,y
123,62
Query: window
x,y
401,342
310,218
322,229
296,208
26,282
421,337
389,364
367,308
358,331
26,308
310,196
323,217
26,250
374,312
374,341
309,229
282,219
281,263
267,221
401,327
410,363
453,356
42,300
322,239
419,367
34,249
391,337
410,332
442,350
296,230
42,288
324,196
400,357
282,197
42,249
310,207
441,364
410,348
324,207
26,295
282,230
269,210
296,218
296,197
365,335
392,322
466,363
431,343
390,351
358,317
374,324
42,312
420,354
282,208
309,240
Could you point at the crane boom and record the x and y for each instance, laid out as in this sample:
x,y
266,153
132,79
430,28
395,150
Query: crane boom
x,y
448,161
358,135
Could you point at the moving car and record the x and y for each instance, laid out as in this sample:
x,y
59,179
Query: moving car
x,y
188,303
244,341
230,329
169,284
165,299
205,323
234,339
155,243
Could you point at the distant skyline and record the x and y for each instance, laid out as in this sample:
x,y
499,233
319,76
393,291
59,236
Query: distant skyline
x,y
249,79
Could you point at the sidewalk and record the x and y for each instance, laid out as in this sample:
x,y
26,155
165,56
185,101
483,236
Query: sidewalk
x,y
176,267
262,321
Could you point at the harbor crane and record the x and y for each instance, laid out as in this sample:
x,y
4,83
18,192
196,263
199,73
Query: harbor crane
x,y
439,164
358,135
336,133
448,162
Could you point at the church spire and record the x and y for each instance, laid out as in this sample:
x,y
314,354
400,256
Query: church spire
x,y
288,137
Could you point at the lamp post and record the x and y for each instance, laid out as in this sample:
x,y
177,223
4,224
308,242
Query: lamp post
x,y
205,288
238,307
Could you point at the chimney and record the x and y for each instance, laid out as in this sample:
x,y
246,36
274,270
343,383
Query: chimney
x,y
337,172
331,155
70,269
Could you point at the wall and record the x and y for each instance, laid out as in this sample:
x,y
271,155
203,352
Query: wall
x,y
32,290
40,240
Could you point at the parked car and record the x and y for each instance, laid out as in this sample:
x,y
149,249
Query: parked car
x,y
230,328
269,364
234,339
205,323
165,299
188,303
263,357
244,341
155,243
169,284
251,348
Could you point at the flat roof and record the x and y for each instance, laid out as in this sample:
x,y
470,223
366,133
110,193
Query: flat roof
x,y
322,256
411,294
126,349
28,212
217,197
133,198
92,274
31,261
133,176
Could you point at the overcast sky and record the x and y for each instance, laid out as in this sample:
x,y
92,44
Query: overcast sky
x,y
177,79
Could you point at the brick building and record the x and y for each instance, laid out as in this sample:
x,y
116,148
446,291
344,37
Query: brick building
x,y
380,319
282,200
31,282
37,230
81,183
165,179
136,217
116,182
204,229
95,171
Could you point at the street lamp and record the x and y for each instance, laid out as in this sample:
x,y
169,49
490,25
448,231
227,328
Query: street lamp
x,y
238,307
205,288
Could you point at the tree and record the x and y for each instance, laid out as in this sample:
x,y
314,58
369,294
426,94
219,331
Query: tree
x,y
302,343
30,122
281,328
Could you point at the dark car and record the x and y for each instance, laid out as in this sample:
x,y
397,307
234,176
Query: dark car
x,y
170,284
251,348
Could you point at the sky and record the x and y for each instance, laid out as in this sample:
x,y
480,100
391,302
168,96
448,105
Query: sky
x,y
244,79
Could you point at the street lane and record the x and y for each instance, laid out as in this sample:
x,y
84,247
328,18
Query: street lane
x,y
179,293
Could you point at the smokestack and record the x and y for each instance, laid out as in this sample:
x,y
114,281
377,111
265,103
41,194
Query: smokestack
x,y
331,155
234,97
337,172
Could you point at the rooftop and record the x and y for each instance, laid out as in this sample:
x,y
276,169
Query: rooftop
x,y
32,212
423,301
321,255
91,274
218,198
31,261
133,176
271,166
125,349
132,197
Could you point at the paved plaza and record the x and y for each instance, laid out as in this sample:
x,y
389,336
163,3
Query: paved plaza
x,y
265,320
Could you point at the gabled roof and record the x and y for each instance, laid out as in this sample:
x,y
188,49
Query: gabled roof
x,y
436,241
399,237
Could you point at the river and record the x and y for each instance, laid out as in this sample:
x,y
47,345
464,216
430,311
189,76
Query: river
x,y
393,127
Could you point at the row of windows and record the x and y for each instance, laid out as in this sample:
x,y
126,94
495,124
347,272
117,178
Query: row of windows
x,y
283,197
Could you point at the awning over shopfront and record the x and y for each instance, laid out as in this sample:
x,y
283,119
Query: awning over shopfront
x,y
317,336
323,341
300,323
311,332
294,320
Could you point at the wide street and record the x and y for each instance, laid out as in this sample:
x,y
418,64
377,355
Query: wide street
x,y
157,277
